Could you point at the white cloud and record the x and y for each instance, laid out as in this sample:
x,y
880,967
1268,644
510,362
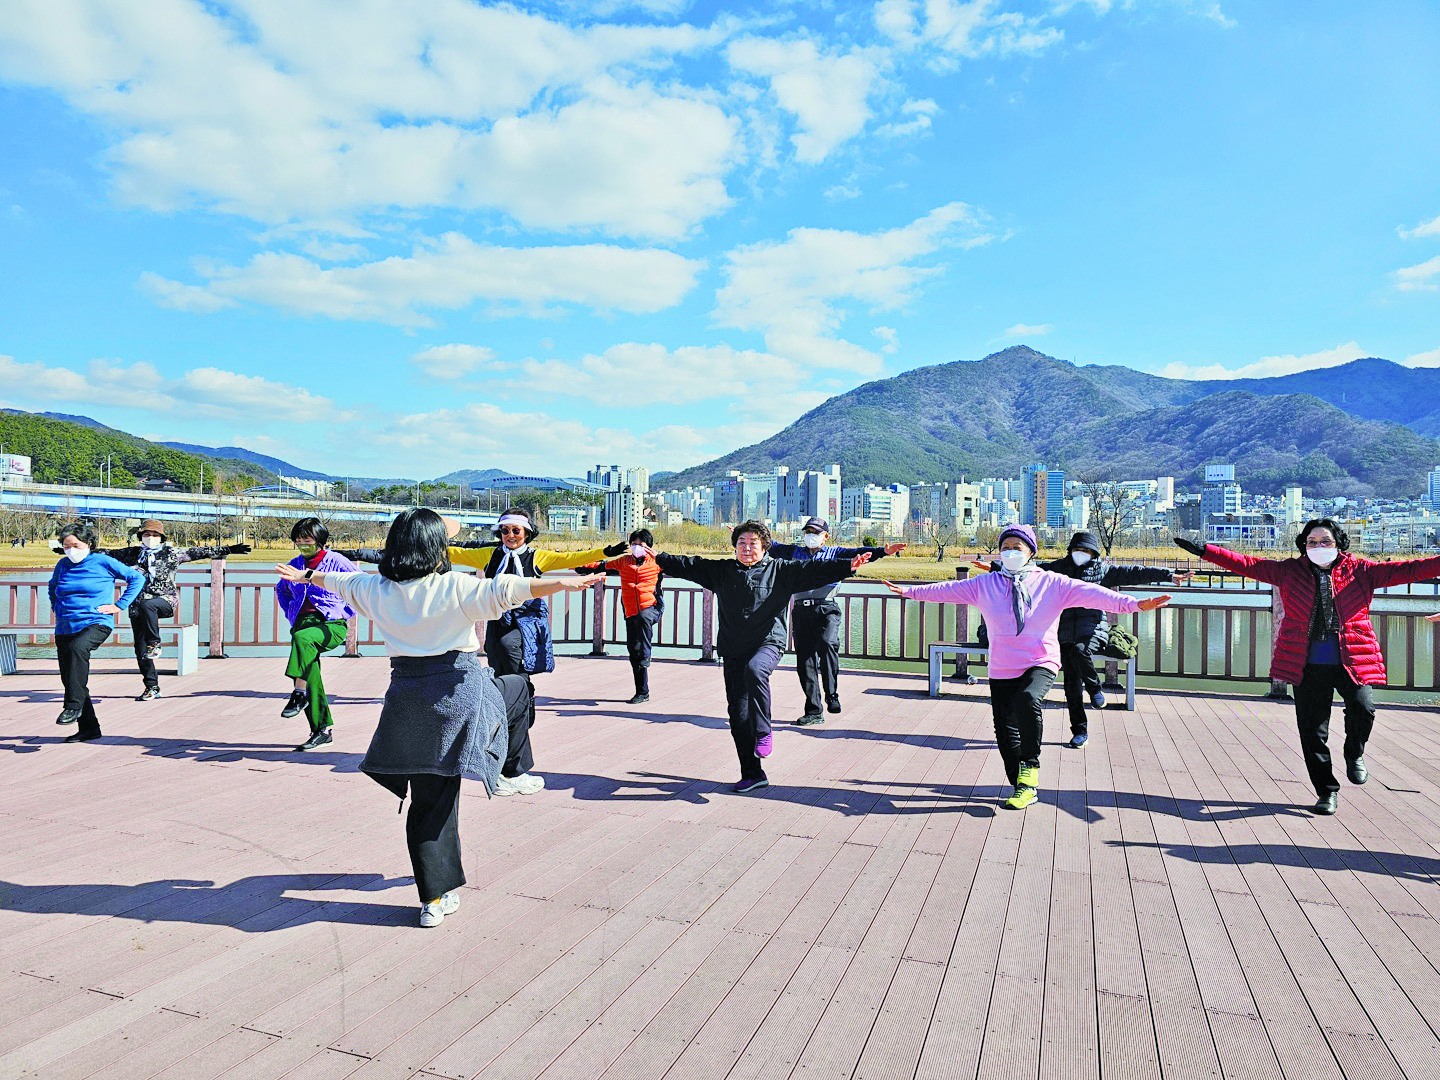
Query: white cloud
x,y
1020,330
453,361
966,29
330,251
180,297
1421,278
796,292
891,338
1424,359
204,391
641,374
826,92
310,109
1269,366
1424,229
920,113
454,272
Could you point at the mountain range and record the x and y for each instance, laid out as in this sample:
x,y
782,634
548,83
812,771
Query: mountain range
x,y
1334,431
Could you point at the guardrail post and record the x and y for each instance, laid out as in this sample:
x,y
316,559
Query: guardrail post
x,y
707,627
217,610
962,628
597,629
352,636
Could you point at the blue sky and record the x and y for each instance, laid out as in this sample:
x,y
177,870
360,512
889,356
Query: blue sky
x,y
386,238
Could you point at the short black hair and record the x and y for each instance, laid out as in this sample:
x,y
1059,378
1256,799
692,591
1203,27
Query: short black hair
x,y
642,536
312,527
416,545
751,526
84,531
1342,538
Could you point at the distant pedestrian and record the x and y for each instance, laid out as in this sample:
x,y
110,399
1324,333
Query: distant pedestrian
x,y
753,592
1083,631
1326,643
1022,605
816,627
445,714
82,599
318,623
158,560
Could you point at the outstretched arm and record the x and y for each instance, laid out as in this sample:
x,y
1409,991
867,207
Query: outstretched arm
x,y
1268,570
1403,573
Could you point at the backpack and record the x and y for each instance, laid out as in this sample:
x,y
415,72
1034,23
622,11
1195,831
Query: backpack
x,y
1122,645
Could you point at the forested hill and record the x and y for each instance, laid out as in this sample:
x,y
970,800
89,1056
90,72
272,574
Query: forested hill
x,y
991,417
63,451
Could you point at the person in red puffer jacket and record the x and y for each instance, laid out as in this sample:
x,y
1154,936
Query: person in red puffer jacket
x,y
1326,642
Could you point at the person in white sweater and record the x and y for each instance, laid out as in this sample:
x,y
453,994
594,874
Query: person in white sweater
x,y
445,714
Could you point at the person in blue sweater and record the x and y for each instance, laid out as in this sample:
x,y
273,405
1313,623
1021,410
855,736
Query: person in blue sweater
x,y
817,618
82,598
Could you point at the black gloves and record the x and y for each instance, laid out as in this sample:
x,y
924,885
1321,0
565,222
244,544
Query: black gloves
x,y
476,544
620,547
1198,550
238,549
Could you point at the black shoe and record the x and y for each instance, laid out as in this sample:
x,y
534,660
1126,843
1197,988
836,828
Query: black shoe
x,y
1356,770
638,699
298,700
149,693
318,738
68,716
810,718
81,736
833,705
1327,803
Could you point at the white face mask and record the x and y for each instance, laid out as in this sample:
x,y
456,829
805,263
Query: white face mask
x,y
76,554
638,550
812,540
1013,559
1322,556
150,543
1080,558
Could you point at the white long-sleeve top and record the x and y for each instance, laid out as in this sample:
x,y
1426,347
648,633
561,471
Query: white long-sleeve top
x,y
430,615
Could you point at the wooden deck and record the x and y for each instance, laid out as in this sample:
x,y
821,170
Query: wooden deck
x,y
188,898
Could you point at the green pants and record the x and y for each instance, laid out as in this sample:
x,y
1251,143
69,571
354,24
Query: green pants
x,y
312,635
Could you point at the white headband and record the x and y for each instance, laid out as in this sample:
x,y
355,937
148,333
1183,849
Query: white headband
x,y
514,519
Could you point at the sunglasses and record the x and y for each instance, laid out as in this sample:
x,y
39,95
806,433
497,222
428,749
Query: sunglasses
x,y
512,530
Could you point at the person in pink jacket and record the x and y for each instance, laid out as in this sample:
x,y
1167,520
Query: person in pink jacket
x,y
1022,604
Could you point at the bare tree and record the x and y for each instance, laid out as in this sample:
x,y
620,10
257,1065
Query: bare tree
x,y
986,537
1112,507
942,536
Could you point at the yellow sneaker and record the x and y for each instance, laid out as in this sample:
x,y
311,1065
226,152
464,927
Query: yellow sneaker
x,y
1026,789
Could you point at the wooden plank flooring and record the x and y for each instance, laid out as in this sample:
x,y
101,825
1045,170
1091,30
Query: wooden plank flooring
x,y
190,898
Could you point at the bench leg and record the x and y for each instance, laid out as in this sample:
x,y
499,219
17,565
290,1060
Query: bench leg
x,y
10,651
187,648
935,661
1130,684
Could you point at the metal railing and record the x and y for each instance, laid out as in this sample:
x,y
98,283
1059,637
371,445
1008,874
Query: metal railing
x,y
1217,631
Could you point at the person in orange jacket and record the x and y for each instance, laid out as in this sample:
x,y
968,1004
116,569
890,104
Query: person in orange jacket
x,y
640,577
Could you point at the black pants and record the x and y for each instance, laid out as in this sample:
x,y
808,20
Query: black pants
x,y
747,699
505,652
1313,695
432,827
145,616
817,652
1019,721
639,638
1081,680
74,652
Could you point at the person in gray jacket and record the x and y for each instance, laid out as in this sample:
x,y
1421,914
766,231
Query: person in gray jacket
x,y
816,625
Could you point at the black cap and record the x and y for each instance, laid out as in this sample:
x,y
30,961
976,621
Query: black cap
x,y
818,524
1085,541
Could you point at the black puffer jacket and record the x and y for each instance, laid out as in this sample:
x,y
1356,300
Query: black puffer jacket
x,y
1086,627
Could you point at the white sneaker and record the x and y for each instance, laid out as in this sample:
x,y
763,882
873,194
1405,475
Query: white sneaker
x,y
433,913
524,784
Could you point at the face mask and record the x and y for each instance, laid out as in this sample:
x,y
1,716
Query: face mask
x,y
150,543
76,554
1080,558
813,540
638,550
1012,559
1322,556
307,549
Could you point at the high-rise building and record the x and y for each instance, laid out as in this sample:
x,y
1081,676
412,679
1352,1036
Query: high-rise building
x,y
1434,487
1164,494
624,511
1223,498
610,477
1294,506
806,494
1042,496
888,507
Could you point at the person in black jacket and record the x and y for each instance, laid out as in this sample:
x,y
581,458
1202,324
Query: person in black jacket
x,y
753,592
1084,631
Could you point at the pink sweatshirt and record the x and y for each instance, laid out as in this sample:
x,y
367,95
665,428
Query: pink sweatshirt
x,y
1011,654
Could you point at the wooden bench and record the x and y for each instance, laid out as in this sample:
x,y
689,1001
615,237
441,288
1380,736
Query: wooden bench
x,y
941,649
187,644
